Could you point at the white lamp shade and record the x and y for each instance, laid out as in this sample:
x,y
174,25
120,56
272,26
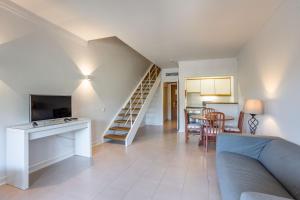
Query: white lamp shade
x,y
254,106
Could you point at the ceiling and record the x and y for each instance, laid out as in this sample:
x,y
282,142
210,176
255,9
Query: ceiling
x,y
164,31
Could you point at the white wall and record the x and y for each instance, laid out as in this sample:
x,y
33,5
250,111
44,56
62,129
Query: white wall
x,y
269,69
154,115
35,60
201,68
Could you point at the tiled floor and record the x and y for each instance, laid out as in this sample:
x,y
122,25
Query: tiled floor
x,y
158,165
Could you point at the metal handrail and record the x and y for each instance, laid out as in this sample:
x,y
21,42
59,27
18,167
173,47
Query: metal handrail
x,y
152,75
130,110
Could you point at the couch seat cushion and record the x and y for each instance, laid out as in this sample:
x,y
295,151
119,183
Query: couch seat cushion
x,y
282,159
260,196
238,174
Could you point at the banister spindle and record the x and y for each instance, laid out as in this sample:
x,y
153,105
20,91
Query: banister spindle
x,y
149,78
130,112
142,93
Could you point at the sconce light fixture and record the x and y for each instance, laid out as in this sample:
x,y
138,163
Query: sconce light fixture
x,y
87,77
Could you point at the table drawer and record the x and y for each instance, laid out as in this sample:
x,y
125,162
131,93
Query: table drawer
x,y
56,131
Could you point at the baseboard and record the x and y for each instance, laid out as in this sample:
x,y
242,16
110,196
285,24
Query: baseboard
x,y
97,144
3,180
51,161
154,124
181,131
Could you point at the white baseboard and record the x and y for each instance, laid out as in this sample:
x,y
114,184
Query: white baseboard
x,y
97,143
154,123
181,130
3,180
51,161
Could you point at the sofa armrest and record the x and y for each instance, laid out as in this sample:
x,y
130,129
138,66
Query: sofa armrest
x,y
247,145
260,196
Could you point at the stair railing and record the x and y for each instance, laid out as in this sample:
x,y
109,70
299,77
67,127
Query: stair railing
x,y
130,110
128,99
151,76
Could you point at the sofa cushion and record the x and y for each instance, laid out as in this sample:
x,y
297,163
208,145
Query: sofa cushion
x,y
260,196
282,159
247,145
238,174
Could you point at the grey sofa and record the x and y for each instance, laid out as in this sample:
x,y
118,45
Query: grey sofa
x,y
257,168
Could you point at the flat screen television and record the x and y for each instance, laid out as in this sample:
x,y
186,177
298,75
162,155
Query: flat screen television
x,y
43,107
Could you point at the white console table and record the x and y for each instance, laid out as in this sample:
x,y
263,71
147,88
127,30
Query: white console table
x,y
18,140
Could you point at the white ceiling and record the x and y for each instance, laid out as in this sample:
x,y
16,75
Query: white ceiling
x,y
164,31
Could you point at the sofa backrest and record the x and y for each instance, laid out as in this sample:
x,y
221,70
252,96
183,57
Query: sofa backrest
x,y
282,160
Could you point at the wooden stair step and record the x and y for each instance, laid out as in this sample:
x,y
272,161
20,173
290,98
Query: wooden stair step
x,y
134,103
137,103
121,121
145,90
148,81
128,114
138,98
147,87
133,96
135,109
119,128
145,93
115,137
139,94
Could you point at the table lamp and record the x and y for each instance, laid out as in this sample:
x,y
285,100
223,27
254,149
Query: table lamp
x,y
253,107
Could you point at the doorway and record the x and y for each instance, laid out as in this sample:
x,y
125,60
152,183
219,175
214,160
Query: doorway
x,y
170,105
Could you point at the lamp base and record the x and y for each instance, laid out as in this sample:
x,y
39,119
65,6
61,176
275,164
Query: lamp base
x,y
253,123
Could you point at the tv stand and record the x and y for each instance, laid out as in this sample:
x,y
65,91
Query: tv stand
x,y
18,140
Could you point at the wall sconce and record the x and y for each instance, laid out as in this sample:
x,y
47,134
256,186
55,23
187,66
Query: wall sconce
x,y
87,77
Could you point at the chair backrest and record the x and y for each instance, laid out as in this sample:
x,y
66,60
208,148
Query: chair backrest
x,y
186,119
215,123
205,111
241,121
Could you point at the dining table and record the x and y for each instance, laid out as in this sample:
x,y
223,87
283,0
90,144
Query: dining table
x,y
206,118
203,117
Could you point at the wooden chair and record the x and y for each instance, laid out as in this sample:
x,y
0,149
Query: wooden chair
x,y
213,126
204,112
239,128
190,127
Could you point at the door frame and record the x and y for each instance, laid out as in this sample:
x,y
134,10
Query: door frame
x,y
162,100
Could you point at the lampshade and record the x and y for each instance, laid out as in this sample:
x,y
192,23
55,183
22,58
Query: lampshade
x,y
254,106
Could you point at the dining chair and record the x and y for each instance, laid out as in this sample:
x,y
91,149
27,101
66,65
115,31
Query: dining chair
x,y
214,124
205,111
190,127
239,128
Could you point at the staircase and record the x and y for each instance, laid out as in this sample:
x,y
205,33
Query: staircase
x,y
125,124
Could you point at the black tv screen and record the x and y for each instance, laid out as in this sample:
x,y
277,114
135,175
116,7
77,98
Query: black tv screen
x,y
50,107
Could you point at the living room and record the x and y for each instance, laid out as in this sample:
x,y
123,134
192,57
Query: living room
x,y
111,60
